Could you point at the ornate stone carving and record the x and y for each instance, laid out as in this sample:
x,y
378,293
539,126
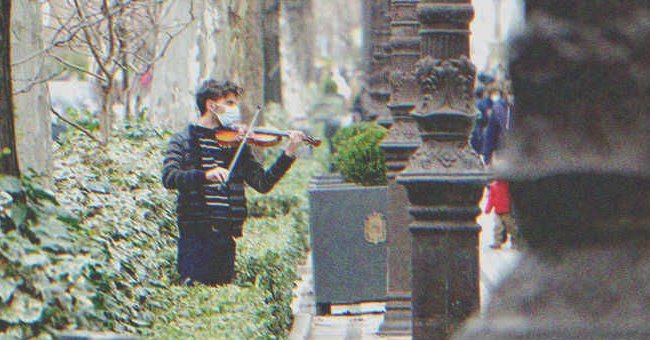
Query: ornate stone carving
x,y
403,87
444,178
444,157
402,139
404,131
446,85
377,78
453,15
445,28
403,10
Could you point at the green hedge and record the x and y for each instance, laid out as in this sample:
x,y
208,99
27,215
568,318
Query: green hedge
x,y
107,261
44,272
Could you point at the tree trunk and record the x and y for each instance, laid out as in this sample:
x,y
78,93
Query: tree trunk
x,y
238,53
175,78
32,118
271,40
299,37
8,155
106,115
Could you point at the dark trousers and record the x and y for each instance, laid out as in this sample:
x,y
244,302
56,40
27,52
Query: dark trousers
x,y
205,256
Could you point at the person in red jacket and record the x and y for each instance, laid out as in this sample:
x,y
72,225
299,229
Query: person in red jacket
x,y
499,201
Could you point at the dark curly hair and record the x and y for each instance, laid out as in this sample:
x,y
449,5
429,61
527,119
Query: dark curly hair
x,y
213,89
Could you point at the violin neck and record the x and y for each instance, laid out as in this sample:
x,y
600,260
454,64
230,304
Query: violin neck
x,y
271,132
308,139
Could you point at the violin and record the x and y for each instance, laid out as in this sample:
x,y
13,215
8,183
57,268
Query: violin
x,y
256,136
262,137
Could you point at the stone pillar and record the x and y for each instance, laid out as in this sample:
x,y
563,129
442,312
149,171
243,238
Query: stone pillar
x,y
579,166
402,140
376,97
444,178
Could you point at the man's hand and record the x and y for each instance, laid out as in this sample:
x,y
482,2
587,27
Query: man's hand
x,y
295,140
217,175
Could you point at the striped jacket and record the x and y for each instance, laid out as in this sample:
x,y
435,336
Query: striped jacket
x,y
183,170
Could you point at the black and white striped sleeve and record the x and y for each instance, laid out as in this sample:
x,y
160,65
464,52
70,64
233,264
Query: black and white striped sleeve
x,y
173,176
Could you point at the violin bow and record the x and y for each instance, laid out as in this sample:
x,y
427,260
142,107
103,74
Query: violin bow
x,y
242,144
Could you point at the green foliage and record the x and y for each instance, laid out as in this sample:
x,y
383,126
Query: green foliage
x,y
227,312
359,156
127,219
330,87
44,271
84,118
107,261
267,260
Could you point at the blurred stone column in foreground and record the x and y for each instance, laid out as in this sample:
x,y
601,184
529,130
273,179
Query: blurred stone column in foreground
x,y
375,98
400,143
444,178
579,165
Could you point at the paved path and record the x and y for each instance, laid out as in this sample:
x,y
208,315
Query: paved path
x,y
351,322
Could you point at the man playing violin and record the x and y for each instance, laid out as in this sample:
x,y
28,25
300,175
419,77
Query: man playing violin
x,y
211,212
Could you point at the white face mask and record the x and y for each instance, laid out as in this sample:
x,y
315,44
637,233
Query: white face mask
x,y
495,98
230,115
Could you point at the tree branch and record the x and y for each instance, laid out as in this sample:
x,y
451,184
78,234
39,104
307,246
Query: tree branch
x,y
34,82
78,68
76,126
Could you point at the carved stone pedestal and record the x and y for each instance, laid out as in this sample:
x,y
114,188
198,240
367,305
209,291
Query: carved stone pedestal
x,y
444,178
400,143
444,182
578,161
377,97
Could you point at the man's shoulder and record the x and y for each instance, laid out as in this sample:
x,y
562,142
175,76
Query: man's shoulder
x,y
182,137
184,133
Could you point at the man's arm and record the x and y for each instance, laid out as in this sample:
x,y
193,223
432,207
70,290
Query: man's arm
x,y
259,179
173,177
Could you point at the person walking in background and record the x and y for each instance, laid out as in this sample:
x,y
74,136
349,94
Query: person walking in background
x,y
499,121
483,105
499,201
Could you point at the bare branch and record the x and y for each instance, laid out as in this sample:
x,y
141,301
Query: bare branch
x,y
34,82
76,126
89,39
78,68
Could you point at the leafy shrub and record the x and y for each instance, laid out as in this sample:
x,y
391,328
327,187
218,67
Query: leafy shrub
x,y
84,118
226,312
359,156
44,272
107,261
126,221
267,259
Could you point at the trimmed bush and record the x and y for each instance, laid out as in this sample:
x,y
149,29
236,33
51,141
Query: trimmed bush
x,y
359,157
227,312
